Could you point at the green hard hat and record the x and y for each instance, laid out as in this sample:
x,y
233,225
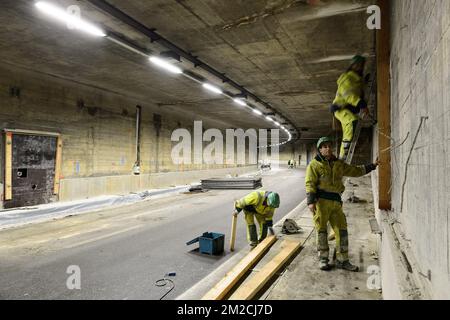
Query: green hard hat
x,y
273,200
357,59
322,141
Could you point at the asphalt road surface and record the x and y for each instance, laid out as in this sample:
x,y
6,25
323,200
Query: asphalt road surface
x,y
122,251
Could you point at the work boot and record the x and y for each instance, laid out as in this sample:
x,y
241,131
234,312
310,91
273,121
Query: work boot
x,y
324,266
346,265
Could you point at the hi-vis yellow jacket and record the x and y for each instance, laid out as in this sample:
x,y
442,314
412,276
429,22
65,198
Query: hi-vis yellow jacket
x,y
254,202
350,89
323,176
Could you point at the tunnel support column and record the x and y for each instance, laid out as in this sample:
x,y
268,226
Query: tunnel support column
x,y
384,107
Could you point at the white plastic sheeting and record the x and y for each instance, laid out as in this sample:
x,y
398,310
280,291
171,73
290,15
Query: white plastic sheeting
x,y
20,216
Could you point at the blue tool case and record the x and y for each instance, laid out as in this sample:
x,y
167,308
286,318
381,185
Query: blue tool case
x,y
210,243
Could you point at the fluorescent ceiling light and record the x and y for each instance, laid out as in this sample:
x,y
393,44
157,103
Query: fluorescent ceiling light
x,y
277,123
212,88
165,65
269,118
257,112
240,102
74,21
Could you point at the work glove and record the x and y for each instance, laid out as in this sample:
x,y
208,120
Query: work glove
x,y
237,211
311,200
373,166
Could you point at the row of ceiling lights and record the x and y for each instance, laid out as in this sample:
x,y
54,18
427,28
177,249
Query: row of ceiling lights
x,y
80,24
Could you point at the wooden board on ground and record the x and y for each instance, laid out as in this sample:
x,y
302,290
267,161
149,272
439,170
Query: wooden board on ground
x,y
233,232
248,290
220,290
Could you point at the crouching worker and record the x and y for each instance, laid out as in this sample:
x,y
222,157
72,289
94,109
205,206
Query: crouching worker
x,y
324,188
260,205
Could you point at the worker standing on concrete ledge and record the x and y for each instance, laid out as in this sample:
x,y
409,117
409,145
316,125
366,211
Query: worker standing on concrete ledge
x,y
260,205
349,102
324,187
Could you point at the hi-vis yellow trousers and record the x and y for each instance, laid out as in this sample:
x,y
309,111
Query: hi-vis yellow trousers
x,y
328,210
348,121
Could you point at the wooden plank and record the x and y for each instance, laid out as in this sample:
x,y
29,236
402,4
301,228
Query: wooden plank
x,y
8,166
233,232
33,132
384,107
252,287
220,290
57,165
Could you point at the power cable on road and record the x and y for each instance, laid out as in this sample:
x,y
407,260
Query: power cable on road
x,y
164,281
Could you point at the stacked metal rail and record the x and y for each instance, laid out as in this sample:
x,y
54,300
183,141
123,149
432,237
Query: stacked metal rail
x,y
232,183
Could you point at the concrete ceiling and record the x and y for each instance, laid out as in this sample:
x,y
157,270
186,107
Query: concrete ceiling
x,y
287,52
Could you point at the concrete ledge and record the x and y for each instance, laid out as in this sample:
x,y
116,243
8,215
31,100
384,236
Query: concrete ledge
x,y
84,188
400,278
396,271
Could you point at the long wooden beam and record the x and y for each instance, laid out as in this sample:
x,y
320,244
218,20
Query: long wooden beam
x,y
384,106
220,290
252,287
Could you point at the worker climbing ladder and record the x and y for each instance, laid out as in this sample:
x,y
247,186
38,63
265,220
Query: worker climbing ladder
x,y
358,128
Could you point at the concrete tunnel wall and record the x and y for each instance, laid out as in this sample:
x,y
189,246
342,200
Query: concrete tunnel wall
x,y
420,87
99,148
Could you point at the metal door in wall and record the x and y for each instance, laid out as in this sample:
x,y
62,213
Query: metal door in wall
x,y
33,162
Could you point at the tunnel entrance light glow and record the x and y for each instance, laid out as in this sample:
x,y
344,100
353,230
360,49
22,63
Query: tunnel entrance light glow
x,y
212,88
240,102
165,65
72,20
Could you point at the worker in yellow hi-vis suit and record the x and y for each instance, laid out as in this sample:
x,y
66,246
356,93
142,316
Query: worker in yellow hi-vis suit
x,y
349,102
260,205
324,188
